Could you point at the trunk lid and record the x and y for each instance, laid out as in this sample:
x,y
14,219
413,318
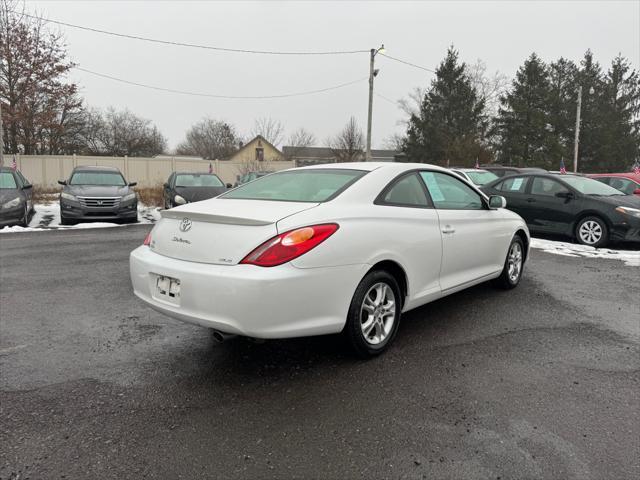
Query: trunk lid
x,y
219,231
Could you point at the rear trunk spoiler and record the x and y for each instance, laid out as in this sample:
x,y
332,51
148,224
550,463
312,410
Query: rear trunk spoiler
x,y
210,218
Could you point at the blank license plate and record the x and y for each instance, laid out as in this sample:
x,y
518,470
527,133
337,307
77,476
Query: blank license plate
x,y
168,287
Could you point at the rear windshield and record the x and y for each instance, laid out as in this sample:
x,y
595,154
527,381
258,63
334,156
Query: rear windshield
x,y
7,180
198,180
588,186
481,178
97,178
317,185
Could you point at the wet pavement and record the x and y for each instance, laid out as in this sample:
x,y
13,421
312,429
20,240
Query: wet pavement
x,y
539,382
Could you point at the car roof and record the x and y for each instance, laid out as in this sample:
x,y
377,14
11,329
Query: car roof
x,y
370,166
195,173
470,170
629,175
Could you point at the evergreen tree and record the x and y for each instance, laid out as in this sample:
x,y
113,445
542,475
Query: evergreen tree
x,y
620,112
525,137
561,108
449,127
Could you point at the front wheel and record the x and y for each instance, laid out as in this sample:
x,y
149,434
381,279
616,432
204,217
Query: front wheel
x,y
374,314
512,271
592,231
24,221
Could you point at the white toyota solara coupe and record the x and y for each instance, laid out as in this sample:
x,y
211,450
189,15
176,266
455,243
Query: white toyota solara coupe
x,y
327,249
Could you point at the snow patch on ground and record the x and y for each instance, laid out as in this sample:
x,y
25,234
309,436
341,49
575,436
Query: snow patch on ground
x,y
629,257
47,217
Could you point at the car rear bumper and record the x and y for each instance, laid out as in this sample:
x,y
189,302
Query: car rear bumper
x,y
277,302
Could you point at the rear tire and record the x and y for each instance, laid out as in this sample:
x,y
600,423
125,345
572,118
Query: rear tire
x,y
513,265
374,314
592,231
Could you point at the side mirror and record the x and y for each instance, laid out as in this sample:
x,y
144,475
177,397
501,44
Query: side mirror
x,y
133,184
62,182
497,201
231,186
27,186
165,185
567,195
636,191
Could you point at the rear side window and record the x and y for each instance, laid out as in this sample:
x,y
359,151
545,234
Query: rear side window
x,y
313,185
7,180
513,185
623,184
408,191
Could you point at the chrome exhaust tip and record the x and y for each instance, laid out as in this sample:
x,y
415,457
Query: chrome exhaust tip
x,y
221,337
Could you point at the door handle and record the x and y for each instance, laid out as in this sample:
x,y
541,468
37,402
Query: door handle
x,y
531,200
448,229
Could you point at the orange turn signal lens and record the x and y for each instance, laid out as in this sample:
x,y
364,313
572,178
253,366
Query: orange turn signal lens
x,y
298,236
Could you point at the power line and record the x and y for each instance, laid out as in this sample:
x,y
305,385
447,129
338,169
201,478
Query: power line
x,y
211,95
192,45
407,63
385,98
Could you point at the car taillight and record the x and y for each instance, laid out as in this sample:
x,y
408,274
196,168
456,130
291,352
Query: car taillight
x,y
147,240
289,245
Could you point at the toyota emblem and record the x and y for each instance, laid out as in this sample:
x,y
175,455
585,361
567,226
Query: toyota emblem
x,y
185,225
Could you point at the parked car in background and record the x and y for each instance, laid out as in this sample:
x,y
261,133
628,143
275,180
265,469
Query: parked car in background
x,y
475,175
248,177
502,171
187,187
16,198
627,183
579,207
97,193
326,249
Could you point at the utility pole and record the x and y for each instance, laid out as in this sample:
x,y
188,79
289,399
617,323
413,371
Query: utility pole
x,y
577,138
372,73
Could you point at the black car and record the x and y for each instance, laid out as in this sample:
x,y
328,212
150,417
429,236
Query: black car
x,y
503,171
575,206
97,193
187,187
16,198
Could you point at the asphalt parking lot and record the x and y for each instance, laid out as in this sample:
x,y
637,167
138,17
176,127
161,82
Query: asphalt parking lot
x,y
539,382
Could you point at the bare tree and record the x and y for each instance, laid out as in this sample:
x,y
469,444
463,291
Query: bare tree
x,y
348,144
298,140
395,142
270,129
489,87
119,133
37,100
210,139
411,104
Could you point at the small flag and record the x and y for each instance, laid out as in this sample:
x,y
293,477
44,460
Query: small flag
x,y
14,165
210,168
636,168
563,169
477,163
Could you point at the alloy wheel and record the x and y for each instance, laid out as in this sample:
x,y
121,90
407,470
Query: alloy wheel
x,y
590,232
514,262
378,313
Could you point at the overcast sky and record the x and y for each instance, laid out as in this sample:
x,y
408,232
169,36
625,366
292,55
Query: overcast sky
x,y
501,33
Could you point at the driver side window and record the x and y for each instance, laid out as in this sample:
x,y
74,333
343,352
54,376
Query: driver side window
x,y
449,193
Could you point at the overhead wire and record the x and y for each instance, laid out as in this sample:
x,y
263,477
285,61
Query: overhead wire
x,y
212,95
193,45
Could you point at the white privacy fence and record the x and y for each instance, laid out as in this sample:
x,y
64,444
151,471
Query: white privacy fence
x,y
46,170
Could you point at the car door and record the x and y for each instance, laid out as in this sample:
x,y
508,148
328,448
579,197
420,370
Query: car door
x,y
413,233
473,244
552,205
514,190
27,189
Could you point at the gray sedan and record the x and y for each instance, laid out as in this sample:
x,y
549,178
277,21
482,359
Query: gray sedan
x,y
16,198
